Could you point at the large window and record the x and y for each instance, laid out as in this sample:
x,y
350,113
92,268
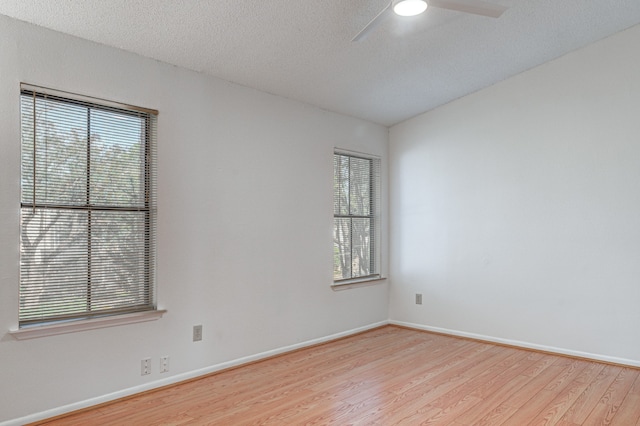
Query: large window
x,y
87,246
356,192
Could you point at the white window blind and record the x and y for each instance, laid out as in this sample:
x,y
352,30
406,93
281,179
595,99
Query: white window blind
x,y
88,207
356,184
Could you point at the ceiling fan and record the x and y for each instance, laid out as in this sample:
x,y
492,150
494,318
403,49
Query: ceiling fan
x,y
416,7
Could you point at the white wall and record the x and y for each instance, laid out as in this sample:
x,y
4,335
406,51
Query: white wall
x,y
245,225
515,211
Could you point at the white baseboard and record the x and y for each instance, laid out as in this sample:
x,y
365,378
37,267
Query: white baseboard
x,y
182,377
520,344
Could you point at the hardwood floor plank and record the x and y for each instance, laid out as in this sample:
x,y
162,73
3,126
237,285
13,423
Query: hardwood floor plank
x,y
461,399
423,360
582,407
418,398
473,382
609,404
495,392
388,376
548,360
554,411
515,402
300,381
523,361
536,404
629,412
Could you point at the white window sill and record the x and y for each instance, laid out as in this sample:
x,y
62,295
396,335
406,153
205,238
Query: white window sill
x,y
82,325
355,283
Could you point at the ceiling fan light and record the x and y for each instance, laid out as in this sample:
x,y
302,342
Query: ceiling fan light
x,y
409,7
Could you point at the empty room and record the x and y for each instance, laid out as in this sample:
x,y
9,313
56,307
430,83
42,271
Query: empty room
x,y
295,212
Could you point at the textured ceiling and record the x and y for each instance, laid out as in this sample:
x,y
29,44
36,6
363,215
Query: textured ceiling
x,y
302,49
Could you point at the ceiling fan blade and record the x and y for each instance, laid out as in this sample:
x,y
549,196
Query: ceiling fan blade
x,y
375,22
476,7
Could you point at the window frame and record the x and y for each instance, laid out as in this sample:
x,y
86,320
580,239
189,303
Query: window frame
x,y
374,217
57,323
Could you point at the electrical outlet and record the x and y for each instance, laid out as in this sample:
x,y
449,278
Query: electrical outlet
x,y
418,299
164,364
145,366
197,333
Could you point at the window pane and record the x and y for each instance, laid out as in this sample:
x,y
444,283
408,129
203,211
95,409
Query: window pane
x,y
341,248
360,247
53,263
118,261
360,186
60,151
117,159
340,185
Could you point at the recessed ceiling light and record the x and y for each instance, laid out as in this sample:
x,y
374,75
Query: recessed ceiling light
x,y
409,7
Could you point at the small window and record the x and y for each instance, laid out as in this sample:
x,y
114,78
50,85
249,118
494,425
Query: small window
x,y
356,183
88,208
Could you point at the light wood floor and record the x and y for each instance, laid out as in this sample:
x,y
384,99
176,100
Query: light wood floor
x,y
392,376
